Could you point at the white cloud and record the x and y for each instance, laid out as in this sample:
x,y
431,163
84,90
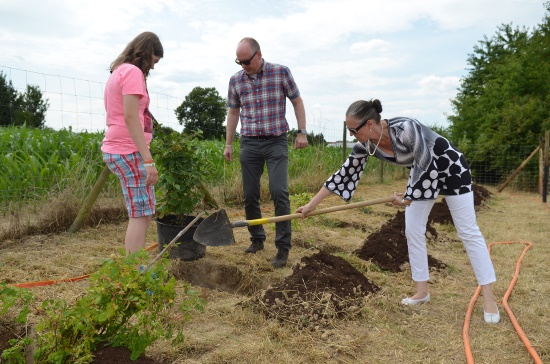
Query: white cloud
x,y
374,46
410,54
432,84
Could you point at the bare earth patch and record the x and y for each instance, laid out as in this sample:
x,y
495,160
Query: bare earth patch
x,y
321,288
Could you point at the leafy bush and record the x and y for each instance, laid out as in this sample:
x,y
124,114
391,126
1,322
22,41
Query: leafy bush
x,y
181,169
121,307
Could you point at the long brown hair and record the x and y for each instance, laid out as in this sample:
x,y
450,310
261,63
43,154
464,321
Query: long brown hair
x,y
140,52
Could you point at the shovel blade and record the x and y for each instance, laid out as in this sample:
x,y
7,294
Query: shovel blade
x,y
215,230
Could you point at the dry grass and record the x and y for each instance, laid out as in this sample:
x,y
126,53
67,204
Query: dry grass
x,y
230,331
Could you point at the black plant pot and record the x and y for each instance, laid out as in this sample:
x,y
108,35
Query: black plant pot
x,y
185,248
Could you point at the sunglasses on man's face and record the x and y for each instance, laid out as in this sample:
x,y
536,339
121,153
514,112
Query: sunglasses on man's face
x,y
354,131
246,63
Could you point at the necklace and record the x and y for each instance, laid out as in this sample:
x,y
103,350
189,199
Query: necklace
x,y
376,146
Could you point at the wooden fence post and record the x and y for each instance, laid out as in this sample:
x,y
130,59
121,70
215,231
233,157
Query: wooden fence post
x,y
541,165
545,177
344,144
89,201
509,179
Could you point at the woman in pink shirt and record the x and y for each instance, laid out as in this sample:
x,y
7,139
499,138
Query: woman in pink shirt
x,y
129,131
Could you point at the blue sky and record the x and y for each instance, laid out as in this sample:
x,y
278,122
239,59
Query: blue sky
x,y
410,54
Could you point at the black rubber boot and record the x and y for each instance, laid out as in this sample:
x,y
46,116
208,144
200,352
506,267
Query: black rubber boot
x,y
255,246
280,259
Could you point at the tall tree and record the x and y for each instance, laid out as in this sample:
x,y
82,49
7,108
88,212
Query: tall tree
x,y
32,108
8,101
203,109
503,102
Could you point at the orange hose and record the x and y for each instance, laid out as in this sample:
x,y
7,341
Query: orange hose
x,y
520,332
64,280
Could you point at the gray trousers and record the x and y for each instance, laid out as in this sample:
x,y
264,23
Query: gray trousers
x,y
254,155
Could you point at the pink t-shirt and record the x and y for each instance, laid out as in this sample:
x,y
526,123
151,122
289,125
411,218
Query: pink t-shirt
x,y
126,79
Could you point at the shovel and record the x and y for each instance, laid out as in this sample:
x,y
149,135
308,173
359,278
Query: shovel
x,y
217,230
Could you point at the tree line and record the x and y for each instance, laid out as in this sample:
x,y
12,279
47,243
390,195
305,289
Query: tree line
x,y
503,102
26,108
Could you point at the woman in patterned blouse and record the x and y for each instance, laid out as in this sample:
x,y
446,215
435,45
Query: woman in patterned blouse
x,y
436,168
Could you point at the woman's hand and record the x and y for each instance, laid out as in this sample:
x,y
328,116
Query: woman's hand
x,y
152,175
304,210
397,199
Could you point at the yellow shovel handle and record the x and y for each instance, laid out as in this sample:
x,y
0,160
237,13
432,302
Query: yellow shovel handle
x,y
314,212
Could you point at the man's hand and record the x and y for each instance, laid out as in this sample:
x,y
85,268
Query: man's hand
x,y
301,141
228,152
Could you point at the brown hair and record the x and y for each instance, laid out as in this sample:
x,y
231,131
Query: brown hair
x,y
365,110
140,52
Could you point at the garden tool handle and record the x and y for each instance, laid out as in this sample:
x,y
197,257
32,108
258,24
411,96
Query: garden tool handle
x,y
171,243
312,213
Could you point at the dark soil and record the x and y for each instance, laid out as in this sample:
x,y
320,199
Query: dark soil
x,y
440,212
387,248
321,288
481,194
324,287
104,355
8,332
119,355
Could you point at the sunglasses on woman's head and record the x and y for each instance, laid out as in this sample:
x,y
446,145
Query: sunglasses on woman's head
x,y
246,63
354,131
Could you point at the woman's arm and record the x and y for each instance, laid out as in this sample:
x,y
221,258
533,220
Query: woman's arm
x,y
310,206
133,123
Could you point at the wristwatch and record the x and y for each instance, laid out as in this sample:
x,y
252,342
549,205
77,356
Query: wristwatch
x,y
302,131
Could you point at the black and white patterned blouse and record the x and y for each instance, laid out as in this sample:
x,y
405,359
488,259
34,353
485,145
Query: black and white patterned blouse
x,y
437,167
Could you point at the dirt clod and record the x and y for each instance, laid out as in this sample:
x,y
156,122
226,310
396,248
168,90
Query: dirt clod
x,y
387,247
322,288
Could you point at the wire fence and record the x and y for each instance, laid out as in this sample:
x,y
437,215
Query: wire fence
x,y
77,105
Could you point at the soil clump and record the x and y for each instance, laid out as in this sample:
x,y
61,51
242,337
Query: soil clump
x,y
387,247
321,289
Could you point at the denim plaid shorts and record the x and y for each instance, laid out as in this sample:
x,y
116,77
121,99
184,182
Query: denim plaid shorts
x,y
140,199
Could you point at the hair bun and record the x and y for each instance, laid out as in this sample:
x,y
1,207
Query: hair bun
x,y
377,105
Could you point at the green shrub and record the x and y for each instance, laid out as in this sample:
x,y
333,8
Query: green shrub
x,y
121,307
181,169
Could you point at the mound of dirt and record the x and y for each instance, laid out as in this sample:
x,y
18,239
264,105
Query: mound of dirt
x,y
481,194
387,247
322,288
440,212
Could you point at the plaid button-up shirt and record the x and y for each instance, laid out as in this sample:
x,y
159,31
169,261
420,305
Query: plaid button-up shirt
x,y
262,100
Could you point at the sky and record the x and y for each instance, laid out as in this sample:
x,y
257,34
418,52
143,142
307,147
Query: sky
x,y
409,54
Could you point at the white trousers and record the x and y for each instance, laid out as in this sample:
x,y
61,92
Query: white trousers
x,y
464,218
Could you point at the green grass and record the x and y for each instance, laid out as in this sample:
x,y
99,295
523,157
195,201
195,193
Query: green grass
x,y
37,162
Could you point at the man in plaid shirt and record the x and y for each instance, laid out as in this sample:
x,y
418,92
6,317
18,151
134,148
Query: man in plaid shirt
x,y
257,95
